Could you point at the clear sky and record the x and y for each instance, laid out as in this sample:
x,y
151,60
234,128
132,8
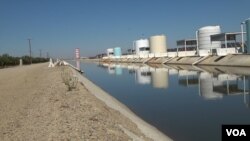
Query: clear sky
x,y
60,26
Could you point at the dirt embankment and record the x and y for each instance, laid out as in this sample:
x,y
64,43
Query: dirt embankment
x,y
35,104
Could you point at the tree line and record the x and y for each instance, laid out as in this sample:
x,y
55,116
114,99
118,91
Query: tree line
x,y
7,60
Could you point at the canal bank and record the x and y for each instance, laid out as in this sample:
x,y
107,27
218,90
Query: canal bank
x,y
147,129
38,106
235,60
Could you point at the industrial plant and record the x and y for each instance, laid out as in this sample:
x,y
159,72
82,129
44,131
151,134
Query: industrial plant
x,y
210,46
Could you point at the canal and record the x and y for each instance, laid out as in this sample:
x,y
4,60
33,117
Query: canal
x,y
186,103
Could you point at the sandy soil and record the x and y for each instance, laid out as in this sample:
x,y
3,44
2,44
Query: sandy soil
x,y
35,104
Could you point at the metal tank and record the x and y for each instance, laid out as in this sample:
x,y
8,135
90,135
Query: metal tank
x,y
204,40
158,44
117,52
110,51
142,46
248,34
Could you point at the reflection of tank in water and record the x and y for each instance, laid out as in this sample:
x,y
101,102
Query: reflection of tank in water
x,y
206,87
118,70
111,70
160,78
143,75
78,65
110,67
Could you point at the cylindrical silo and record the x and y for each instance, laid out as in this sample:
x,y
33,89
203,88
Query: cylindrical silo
x,y
204,40
110,51
117,52
141,46
158,44
248,34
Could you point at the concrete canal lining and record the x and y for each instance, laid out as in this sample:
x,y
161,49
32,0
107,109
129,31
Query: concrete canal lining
x,y
238,60
234,60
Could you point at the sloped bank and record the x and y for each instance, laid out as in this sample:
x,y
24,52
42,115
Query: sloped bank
x,y
147,129
234,60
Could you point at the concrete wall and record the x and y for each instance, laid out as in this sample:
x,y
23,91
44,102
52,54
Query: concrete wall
x,y
229,60
184,60
186,53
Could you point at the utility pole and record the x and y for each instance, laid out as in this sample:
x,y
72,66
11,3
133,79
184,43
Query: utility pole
x,y
47,55
40,53
30,50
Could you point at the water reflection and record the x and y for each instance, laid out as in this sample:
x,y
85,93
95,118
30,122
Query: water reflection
x,y
213,83
78,64
157,76
160,78
143,75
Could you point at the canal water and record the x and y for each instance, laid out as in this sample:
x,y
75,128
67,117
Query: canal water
x,y
184,102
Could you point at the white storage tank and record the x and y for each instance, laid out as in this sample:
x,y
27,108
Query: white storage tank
x,y
110,52
142,46
158,44
117,52
204,40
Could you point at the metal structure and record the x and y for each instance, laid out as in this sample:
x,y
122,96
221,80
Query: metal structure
x,y
186,44
158,44
247,22
229,39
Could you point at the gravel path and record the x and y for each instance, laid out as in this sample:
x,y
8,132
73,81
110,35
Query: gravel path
x,y
35,105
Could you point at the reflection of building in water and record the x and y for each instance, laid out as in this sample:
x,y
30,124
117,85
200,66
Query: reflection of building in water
x,y
110,67
247,97
143,75
172,71
78,66
223,84
188,78
160,78
118,70
230,85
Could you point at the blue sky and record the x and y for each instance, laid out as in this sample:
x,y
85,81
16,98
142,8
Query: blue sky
x,y
60,26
